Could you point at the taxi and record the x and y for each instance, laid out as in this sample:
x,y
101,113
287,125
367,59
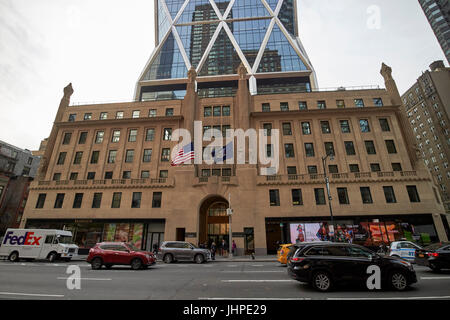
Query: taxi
x,y
282,253
404,249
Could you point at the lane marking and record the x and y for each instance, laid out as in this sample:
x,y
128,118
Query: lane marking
x,y
257,265
87,279
256,271
254,299
434,278
393,298
238,281
32,294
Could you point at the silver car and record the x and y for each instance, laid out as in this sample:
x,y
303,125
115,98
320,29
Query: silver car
x,y
171,251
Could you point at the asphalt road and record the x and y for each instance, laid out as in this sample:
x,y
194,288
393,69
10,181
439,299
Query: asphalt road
x,y
188,281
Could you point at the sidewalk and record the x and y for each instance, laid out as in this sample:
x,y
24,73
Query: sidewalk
x,y
267,258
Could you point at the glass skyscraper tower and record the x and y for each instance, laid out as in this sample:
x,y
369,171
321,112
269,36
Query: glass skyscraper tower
x,y
215,37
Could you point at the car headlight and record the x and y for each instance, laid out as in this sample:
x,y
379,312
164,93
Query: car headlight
x,y
405,263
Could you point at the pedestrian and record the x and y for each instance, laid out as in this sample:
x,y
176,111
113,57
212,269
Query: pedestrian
x,y
213,251
224,247
155,248
233,248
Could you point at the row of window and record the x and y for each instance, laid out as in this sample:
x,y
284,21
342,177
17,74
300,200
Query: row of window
x,y
97,200
145,174
354,168
342,193
321,104
217,111
120,114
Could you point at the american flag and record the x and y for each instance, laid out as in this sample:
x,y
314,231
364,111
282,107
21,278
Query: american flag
x,y
185,154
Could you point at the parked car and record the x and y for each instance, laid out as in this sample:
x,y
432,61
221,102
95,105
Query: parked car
x,y
119,253
327,265
282,253
435,256
171,251
404,249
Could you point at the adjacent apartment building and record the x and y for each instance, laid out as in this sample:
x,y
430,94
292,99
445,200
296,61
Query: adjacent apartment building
x,y
106,172
427,105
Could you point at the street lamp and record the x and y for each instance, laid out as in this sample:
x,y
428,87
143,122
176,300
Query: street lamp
x,y
327,183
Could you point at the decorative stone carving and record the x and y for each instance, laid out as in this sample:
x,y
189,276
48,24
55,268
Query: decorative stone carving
x,y
386,72
192,75
68,91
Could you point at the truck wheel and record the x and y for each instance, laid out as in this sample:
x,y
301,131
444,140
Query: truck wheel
x,y
52,257
136,264
14,257
96,264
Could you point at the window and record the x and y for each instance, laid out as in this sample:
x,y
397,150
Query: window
x,y
321,105
157,199
206,173
41,200
217,111
167,134
302,105
268,150
216,172
329,149
266,107
332,168
136,202
284,106
91,175
72,117
364,125
289,150
378,102
147,155
325,125
99,136
274,197
73,176
384,124
133,135
97,200
389,194
150,135
165,154
117,197
396,167
413,194
152,113
66,139
354,168
226,172
61,158
343,196
291,170
129,156
287,131
370,147
77,200
207,112
119,115
145,174
57,177
312,169
94,157
163,174
78,156
297,199
59,201
116,136
169,112
375,167
30,161
103,115
112,156
366,196
306,128
345,126
126,175
349,148
359,103
340,103
309,149
320,196
83,137
390,145
226,111
108,175
87,116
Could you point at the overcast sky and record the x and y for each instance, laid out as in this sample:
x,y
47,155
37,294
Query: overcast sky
x,y
101,47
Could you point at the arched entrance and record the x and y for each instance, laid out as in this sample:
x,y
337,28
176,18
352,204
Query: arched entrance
x,y
213,224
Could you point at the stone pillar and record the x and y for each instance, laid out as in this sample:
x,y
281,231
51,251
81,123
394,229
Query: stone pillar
x,y
189,104
440,229
65,101
400,112
243,100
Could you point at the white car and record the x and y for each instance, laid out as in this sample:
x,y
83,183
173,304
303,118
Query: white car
x,y
404,249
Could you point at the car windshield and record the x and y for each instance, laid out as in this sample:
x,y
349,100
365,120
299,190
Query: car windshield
x,y
132,247
65,239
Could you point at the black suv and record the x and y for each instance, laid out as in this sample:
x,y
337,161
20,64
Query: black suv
x,y
327,265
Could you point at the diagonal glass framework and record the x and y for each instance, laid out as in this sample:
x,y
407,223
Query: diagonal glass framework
x,y
216,36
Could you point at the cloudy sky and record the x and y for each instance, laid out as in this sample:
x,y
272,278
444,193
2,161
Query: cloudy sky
x,y
101,47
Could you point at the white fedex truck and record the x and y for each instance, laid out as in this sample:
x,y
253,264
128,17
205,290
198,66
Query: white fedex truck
x,y
38,244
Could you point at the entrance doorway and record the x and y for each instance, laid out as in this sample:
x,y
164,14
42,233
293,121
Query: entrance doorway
x,y
214,222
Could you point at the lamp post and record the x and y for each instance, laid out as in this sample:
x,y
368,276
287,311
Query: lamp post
x,y
229,214
327,183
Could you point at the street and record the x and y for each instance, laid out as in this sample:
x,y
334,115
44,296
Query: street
x,y
188,281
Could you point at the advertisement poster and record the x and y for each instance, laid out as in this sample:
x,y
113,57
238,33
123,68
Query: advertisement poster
x,y
109,232
301,232
122,231
137,231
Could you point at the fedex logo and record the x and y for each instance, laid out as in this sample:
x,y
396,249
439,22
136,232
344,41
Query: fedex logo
x,y
28,239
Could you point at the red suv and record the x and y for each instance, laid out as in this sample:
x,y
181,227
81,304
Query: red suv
x,y
113,253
